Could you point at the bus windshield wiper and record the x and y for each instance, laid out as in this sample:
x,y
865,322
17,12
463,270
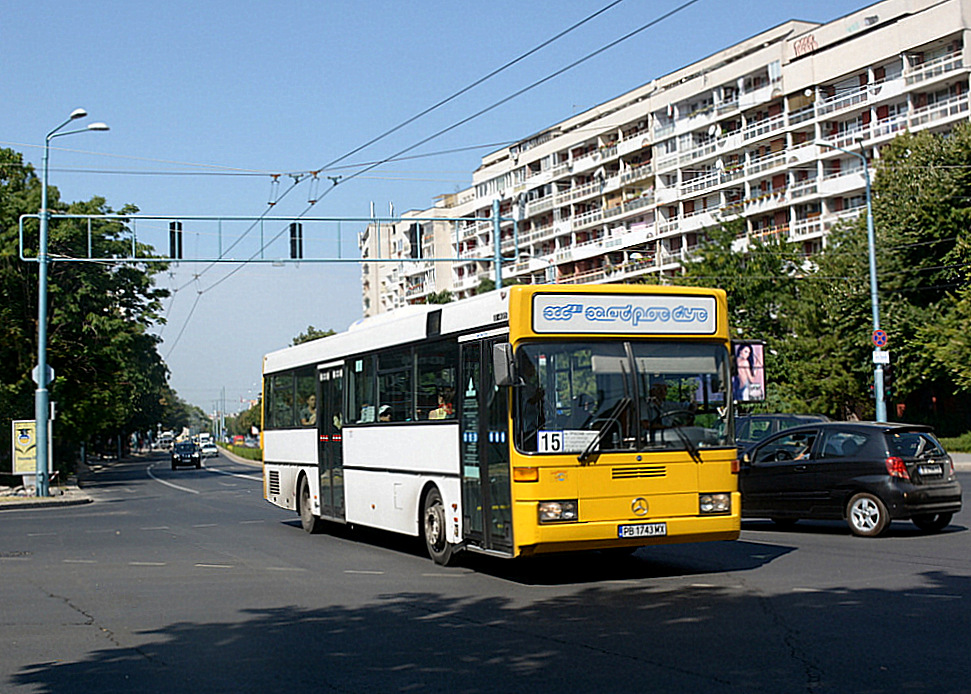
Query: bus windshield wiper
x,y
688,444
612,419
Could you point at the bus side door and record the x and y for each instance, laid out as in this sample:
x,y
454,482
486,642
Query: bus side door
x,y
330,440
486,493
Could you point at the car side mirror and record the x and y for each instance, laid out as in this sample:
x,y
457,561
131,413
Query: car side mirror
x,y
503,365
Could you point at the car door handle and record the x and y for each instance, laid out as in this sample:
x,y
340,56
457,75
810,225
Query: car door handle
x,y
801,468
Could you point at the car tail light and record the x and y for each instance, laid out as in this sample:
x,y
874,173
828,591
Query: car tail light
x,y
896,468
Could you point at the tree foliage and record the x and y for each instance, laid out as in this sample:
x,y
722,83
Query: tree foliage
x,y
310,334
110,379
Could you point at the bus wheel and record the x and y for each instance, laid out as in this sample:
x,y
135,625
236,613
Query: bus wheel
x,y
433,528
308,520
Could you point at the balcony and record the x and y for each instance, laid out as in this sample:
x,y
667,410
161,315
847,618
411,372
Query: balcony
x,y
637,173
934,68
948,108
762,128
773,160
587,219
843,101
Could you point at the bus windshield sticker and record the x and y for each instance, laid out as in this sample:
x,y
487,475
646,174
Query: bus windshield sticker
x,y
568,441
630,315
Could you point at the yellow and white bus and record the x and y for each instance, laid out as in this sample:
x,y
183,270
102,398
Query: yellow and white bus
x,y
528,420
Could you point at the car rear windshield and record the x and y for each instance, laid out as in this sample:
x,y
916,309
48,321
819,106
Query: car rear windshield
x,y
914,444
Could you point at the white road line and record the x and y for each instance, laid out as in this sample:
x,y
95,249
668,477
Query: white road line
x,y
80,561
251,522
251,478
157,527
169,484
284,568
205,525
215,566
366,573
146,563
41,534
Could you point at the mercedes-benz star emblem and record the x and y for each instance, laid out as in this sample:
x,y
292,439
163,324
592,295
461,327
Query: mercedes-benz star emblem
x,y
639,506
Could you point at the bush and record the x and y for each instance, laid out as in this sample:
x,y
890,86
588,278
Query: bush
x,y
246,452
960,444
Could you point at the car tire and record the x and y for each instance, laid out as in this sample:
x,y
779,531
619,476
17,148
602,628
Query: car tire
x,y
308,521
866,515
932,522
433,527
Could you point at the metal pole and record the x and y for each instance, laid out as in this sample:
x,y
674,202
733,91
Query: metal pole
x,y
496,243
42,410
878,389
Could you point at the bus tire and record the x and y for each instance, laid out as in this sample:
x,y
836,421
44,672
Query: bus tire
x,y
308,520
433,527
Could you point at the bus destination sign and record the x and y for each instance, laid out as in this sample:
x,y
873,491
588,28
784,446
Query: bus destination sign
x,y
666,314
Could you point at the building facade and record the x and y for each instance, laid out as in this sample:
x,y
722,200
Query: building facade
x,y
626,189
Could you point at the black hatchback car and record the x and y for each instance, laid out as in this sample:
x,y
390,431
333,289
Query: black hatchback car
x,y
864,473
186,453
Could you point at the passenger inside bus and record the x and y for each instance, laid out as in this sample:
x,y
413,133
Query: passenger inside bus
x,y
445,409
384,414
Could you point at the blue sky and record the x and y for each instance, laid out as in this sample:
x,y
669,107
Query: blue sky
x,y
207,99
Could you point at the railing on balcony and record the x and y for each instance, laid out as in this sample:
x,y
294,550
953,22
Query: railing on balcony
x,y
764,127
844,100
764,163
889,126
637,173
803,188
802,115
587,218
934,68
947,108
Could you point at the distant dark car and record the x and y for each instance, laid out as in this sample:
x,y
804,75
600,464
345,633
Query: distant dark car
x,y
752,428
186,453
864,473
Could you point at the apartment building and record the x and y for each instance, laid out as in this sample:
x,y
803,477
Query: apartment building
x,y
626,189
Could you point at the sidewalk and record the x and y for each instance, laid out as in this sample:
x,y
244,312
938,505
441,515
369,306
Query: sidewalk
x,y
68,494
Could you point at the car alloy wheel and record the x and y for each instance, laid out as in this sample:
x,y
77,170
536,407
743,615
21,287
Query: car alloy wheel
x,y
867,515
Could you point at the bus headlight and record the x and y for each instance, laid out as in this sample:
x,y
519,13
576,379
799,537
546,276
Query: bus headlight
x,y
558,511
714,503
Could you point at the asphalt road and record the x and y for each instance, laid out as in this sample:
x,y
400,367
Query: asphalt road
x,y
188,581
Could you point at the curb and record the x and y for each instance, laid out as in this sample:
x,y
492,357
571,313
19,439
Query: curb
x,y
72,496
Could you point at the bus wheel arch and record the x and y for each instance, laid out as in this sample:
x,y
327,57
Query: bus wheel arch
x,y
308,521
433,526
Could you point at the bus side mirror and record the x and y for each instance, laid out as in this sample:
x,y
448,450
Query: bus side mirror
x,y
502,364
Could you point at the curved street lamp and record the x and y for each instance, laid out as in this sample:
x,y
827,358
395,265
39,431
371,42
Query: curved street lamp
x,y
878,389
41,399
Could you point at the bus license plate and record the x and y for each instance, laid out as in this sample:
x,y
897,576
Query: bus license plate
x,y
642,530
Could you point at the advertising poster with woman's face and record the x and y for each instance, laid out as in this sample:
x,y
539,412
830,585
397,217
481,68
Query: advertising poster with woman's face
x,y
749,381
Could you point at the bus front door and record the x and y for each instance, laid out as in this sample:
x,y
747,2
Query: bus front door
x,y
330,441
486,494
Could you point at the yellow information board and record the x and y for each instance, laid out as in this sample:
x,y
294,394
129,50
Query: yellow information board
x,y
24,447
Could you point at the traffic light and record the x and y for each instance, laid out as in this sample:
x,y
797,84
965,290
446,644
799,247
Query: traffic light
x,y
296,240
414,240
175,240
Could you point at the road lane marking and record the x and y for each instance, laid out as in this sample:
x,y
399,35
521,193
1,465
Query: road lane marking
x,y
251,478
250,522
41,534
146,563
157,527
284,568
366,573
169,484
80,561
215,566
204,525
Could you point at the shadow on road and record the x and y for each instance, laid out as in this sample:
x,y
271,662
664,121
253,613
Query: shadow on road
x,y
606,638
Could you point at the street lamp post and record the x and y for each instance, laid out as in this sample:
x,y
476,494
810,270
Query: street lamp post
x,y
878,389
41,399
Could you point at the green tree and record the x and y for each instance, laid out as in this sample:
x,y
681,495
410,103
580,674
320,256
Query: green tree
x,y
310,334
442,297
109,375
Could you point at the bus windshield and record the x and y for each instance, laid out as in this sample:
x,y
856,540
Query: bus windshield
x,y
590,397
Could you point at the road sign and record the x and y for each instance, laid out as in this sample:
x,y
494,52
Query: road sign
x,y
879,338
35,374
881,356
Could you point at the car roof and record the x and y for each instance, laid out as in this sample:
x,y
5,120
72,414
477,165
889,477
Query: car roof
x,y
866,426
